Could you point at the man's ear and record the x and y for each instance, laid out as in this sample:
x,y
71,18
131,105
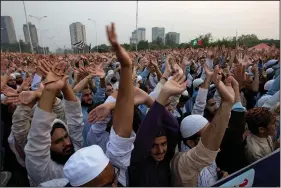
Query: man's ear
x,y
261,130
191,143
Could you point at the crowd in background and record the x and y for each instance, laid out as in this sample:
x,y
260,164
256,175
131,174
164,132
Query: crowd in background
x,y
174,117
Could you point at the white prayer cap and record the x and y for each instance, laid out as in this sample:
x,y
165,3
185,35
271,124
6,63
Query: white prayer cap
x,y
139,78
197,82
17,74
110,72
115,85
192,124
268,85
269,70
185,93
13,75
85,165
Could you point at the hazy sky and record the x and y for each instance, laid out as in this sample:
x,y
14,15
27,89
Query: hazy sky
x,y
188,18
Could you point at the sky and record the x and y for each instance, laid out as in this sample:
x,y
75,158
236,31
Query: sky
x,y
189,18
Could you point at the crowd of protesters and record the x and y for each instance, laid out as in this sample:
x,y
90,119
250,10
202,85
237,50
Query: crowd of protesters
x,y
175,117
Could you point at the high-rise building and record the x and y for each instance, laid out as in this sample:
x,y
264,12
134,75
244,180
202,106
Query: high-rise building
x,y
137,35
33,34
141,34
174,36
77,32
158,32
8,34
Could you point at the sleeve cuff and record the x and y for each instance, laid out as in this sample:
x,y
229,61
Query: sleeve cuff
x,y
238,107
120,143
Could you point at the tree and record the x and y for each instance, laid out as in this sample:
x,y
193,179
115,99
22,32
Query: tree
x,y
271,41
248,40
126,46
205,39
170,40
159,41
143,45
154,46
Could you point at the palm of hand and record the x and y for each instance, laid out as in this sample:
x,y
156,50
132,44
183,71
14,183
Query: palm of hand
x,y
102,112
8,91
54,82
173,87
186,61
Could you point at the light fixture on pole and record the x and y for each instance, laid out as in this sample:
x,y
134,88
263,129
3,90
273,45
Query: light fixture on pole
x,y
31,46
39,20
96,33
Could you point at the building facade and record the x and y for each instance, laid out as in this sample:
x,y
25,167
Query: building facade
x,y
33,34
138,35
158,32
77,32
174,36
8,34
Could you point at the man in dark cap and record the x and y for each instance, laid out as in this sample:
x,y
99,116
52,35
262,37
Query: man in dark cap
x,y
156,140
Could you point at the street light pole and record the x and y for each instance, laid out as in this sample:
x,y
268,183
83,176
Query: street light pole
x,y
39,20
96,33
31,46
1,39
137,26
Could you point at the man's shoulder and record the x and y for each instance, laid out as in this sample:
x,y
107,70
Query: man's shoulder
x,y
55,183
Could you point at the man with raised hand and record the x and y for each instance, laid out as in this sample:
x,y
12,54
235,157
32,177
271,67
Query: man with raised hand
x,y
50,141
186,166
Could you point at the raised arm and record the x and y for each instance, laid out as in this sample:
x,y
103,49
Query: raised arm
x,y
157,117
121,136
39,164
213,134
200,102
124,109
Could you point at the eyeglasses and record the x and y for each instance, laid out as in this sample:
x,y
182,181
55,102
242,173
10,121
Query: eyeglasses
x,y
114,177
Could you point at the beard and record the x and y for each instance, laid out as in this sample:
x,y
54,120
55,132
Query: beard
x,y
83,103
12,86
19,82
60,158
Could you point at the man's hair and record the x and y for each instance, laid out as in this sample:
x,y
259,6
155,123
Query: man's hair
x,y
57,125
258,117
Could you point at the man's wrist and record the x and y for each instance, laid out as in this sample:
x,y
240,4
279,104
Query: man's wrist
x,y
163,97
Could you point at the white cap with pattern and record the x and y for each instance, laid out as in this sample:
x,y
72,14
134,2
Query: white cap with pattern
x,y
85,165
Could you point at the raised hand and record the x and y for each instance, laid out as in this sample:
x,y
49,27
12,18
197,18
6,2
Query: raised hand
x,y
12,100
99,113
26,97
176,85
239,75
9,92
208,71
217,76
97,70
228,92
121,54
26,84
55,77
